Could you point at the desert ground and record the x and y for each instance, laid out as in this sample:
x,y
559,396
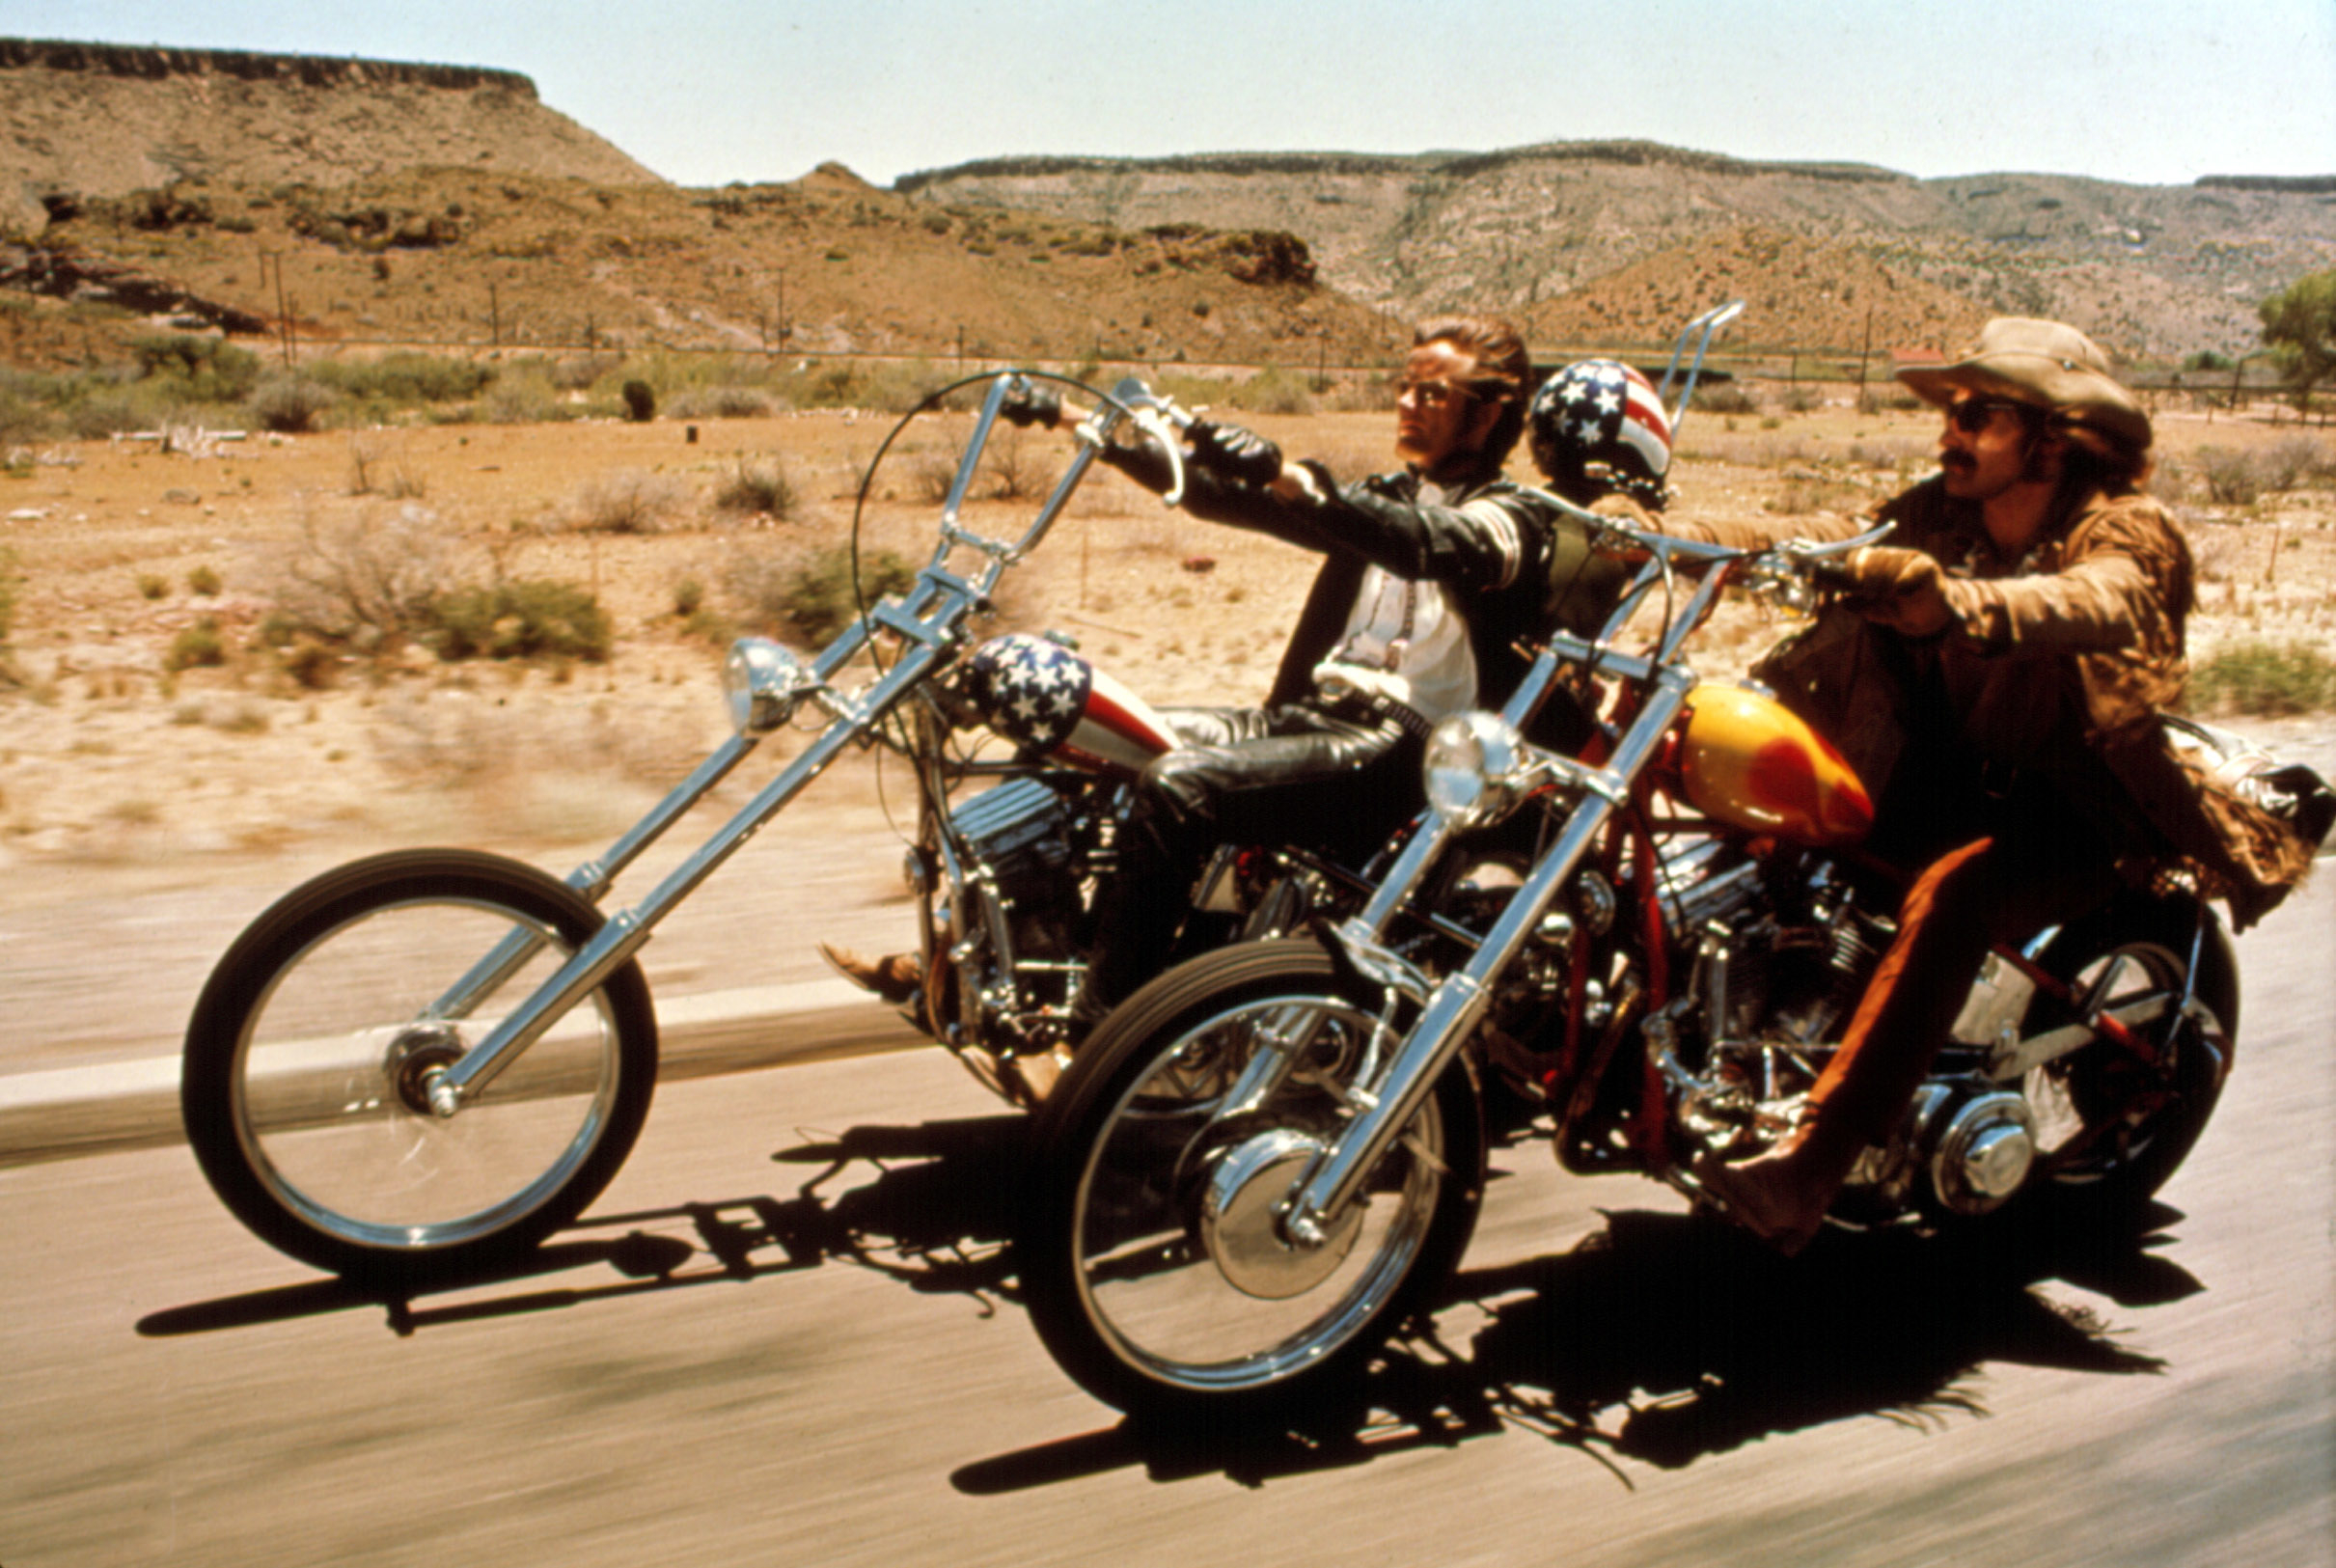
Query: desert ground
x,y
122,774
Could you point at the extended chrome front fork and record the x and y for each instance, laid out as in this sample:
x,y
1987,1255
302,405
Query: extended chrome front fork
x,y
1451,1011
926,625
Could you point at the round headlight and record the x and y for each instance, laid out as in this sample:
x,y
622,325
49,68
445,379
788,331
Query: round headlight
x,y
764,682
1473,763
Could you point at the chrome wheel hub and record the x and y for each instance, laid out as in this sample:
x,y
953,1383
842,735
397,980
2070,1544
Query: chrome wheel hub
x,y
1244,1212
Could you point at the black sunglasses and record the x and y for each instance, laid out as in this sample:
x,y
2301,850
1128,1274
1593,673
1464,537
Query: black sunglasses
x,y
1971,415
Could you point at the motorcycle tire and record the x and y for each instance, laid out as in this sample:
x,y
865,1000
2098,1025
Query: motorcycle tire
x,y
1157,1293
2113,1130
302,1085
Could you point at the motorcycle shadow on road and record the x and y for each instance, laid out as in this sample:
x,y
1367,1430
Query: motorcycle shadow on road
x,y
1665,1337
933,1215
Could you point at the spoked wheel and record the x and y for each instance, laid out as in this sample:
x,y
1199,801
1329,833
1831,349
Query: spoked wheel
x,y
1153,1249
2112,1128
305,1081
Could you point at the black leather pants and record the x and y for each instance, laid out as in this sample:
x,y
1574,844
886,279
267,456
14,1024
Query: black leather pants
x,y
1291,775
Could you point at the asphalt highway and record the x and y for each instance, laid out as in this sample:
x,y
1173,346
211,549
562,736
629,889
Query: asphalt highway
x,y
788,1334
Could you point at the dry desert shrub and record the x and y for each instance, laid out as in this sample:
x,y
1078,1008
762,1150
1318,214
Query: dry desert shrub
x,y
1018,466
539,764
630,501
2231,476
2242,476
757,486
378,466
720,403
525,395
201,646
2265,678
1726,398
2222,552
520,617
290,404
931,474
2293,461
364,580
809,598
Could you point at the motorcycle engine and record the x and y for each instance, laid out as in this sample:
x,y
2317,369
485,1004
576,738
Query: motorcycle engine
x,y
1785,950
1024,839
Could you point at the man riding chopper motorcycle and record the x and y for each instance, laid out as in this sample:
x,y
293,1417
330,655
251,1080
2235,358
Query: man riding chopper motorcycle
x,y
1430,579
1996,676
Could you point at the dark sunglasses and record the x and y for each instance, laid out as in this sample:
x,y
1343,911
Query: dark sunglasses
x,y
1971,415
1431,394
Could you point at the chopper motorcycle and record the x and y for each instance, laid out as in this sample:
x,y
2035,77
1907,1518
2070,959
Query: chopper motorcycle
x,y
419,1065
1268,1160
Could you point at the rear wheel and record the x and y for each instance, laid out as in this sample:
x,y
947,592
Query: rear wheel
x,y
2112,1128
304,1087
1151,1250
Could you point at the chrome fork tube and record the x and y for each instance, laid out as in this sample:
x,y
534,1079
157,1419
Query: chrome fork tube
x,y
625,932
592,879
927,622
1456,1005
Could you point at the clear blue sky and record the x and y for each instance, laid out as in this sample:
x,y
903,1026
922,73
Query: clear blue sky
x,y
706,91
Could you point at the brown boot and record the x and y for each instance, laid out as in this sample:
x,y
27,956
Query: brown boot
x,y
1781,1195
1774,1196
895,976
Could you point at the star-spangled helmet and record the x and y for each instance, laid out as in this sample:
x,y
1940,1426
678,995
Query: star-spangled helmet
x,y
1598,426
1047,699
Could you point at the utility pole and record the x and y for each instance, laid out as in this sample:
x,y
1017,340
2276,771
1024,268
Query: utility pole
x,y
284,320
1863,355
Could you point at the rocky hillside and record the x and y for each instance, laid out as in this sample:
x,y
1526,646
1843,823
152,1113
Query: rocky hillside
x,y
2154,271
371,201
82,119
825,264
1798,293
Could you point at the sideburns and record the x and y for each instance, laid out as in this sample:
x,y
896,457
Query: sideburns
x,y
2039,457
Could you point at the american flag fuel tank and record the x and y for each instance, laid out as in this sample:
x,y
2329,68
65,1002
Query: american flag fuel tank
x,y
1043,696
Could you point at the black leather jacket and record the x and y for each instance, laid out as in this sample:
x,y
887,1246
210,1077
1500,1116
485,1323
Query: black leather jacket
x,y
1494,543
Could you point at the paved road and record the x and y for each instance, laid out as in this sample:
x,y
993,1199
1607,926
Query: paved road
x,y
787,1336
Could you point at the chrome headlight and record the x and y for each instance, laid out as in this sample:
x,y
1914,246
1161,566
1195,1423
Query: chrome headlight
x,y
764,682
1476,765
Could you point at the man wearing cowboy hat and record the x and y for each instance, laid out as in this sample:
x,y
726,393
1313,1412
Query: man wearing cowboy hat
x,y
1995,676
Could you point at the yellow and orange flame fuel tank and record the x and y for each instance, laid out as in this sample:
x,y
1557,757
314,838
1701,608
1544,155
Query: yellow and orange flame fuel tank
x,y
1743,758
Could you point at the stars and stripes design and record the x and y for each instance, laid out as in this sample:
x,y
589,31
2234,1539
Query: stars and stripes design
x,y
1042,696
1603,408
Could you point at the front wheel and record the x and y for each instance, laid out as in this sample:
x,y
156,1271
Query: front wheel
x,y
1151,1249
304,1086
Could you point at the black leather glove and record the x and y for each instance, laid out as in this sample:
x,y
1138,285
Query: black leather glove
x,y
1141,460
1027,403
1231,453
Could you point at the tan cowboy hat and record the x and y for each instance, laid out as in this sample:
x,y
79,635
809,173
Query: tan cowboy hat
x,y
2044,363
